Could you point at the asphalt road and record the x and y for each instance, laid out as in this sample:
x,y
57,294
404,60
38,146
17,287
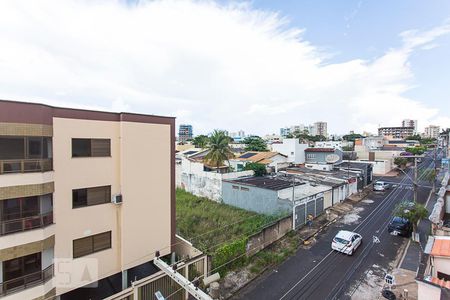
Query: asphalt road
x,y
320,273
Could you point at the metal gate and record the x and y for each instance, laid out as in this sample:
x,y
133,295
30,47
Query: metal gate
x,y
312,206
300,216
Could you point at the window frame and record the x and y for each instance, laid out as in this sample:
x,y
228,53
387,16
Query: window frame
x,y
91,147
107,199
92,246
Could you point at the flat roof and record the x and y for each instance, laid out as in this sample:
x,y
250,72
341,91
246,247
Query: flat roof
x,y
267,182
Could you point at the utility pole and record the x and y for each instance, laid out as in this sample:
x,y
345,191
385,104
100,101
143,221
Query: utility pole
x,y
435,167
415,179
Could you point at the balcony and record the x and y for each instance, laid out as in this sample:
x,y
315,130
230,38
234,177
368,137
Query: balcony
x,y
10,166
27,281
25,223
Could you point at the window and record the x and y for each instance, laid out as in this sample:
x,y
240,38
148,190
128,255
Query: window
x,y
21,266
91,196
235,187
244,189
91,244
91,147
310,155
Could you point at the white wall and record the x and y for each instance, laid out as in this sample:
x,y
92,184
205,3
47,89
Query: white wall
x,y
329,144
379,167
205,184
292,148
427,291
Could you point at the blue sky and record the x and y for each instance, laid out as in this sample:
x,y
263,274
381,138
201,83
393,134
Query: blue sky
x,y
366,29
252,65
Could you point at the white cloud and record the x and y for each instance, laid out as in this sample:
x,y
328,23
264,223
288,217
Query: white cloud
x,y
210,65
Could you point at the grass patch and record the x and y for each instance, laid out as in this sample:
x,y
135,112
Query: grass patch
x,y
197,221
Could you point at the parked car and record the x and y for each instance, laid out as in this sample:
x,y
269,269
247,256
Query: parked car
x,y
400,226
346,242
381,186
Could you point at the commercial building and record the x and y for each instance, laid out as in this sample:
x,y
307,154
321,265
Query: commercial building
x,y
323,156
432,132
185,133
82,190
410,123
396,132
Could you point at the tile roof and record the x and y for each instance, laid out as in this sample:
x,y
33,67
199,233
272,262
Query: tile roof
x,y
440,282
319,150
441,247
258,157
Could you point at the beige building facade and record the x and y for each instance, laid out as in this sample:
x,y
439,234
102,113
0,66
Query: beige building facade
x,y
81,190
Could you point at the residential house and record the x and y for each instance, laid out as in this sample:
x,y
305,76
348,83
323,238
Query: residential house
x,y
273,161
82,189
292,148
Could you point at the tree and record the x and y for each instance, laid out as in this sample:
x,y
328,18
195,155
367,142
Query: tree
x,y
415,137
255,143
259,169
400,162
200,141
411,211
219,149
347,148
352,137
416,150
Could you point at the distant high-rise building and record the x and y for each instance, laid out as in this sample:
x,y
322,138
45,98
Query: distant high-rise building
x,y
410,123
320,128
396,132
185,133
285,131
432,131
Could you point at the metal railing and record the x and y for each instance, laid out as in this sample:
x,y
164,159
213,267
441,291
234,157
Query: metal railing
x,y
24,282
27,223
25,165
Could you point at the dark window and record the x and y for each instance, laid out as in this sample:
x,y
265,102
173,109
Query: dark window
x,y
21,266
235,187
12,148
91,147
244,189
91,196
91,244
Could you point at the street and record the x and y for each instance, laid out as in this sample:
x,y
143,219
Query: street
x,y
320,273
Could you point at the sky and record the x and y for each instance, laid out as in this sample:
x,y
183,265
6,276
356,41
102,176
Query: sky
x,y
252,65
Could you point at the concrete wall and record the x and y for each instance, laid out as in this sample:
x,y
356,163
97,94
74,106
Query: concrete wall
x,y
380,167
427,291
268,235
320,157
205,184
255,199
441,264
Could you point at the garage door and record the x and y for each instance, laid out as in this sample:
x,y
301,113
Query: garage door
x,y
319,206
300,219
311,208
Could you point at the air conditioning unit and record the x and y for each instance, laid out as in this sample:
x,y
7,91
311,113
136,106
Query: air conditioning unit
x,y
117,199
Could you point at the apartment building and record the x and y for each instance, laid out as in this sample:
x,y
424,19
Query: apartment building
x,y
320,128
81,191
410,123
185,133
396,132
432,131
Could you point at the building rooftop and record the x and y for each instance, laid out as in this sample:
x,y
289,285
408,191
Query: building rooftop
x,y
320,150
258,157
267,182
441,247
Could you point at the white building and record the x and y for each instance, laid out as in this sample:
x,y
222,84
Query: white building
x,y
330,144
292,148
320,128
410,123
432,131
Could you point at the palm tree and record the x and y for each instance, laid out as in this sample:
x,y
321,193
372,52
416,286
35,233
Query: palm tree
x,y
219,149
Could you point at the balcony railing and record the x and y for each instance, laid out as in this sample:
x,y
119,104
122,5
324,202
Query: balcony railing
x,y
24,282
27,223
25,165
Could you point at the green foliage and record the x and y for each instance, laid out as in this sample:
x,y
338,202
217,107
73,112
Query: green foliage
x,y
411,211
352,137
232,251
219,149
304,137
197,219
259,169
400,162
416,150
200,141
255,143
427,141
347,148
415,137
